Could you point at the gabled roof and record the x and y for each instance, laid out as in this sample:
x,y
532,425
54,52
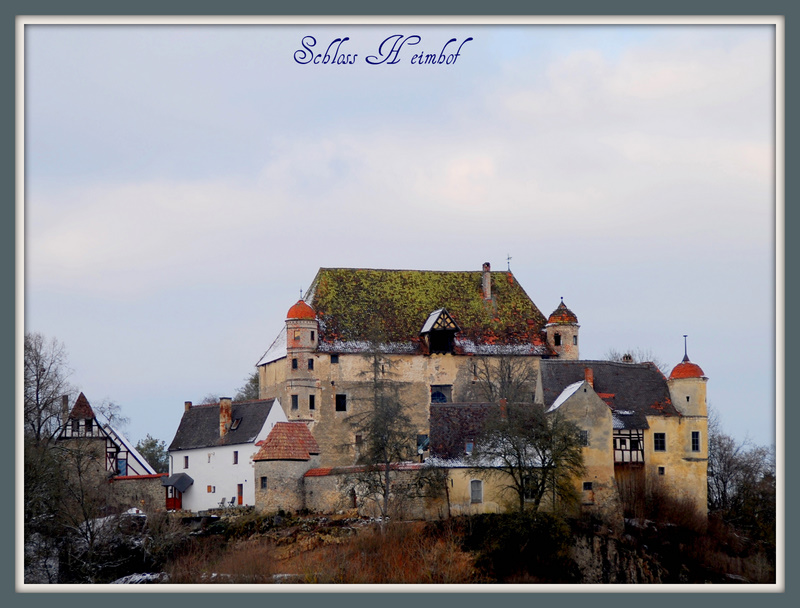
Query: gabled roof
x,y
82,410
288,441
199,425
638,388
356,305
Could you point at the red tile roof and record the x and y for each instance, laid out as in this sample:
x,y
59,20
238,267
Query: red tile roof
x,y
288,441
82,410
686,369
562,315
301,310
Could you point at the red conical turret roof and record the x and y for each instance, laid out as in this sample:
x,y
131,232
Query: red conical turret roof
x,y
301,310
562,315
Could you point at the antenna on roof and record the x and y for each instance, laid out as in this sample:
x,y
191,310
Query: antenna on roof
x,y
685,349
301,293
508,259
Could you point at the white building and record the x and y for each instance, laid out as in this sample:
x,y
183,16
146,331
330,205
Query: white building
x,y
211,456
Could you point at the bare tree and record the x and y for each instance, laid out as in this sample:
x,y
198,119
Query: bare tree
x,y
533,453
741,480
637,355
46,382
387,438
505,377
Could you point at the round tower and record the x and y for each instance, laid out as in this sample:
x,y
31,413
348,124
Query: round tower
x,y
562,332
302,338
301,328
687,388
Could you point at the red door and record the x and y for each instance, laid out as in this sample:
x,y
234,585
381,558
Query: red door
x,y
239,492
174,502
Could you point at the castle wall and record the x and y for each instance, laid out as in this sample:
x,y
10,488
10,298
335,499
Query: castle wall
x,y
284,484
678,469
590,414
411,375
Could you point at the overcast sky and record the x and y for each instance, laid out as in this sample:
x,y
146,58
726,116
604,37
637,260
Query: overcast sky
x,y
184,183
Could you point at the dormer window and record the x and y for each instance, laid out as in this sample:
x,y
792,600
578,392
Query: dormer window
x,y
439,331
235,424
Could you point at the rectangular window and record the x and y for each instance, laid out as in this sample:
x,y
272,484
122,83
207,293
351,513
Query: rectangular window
x,y
312,402
185,462
587,486
235,457
660,442
334,358
263,483
122,466
295,402
468,448
575,340
311,364
294,363
341,403
423,443
695,441
441,393
88,426
661,470
76,427
476,491
634,444
359,439
312,336
211,489
296,334
584,438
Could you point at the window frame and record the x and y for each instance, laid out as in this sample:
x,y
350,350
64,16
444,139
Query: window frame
x,y
235,456
185,462
295,402
311,365
340,402
473,485
312,402
263,485
659,442
695,441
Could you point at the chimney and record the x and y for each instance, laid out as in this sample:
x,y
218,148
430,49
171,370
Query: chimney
x,y
187,405
64,408
487,281
224,415
588,375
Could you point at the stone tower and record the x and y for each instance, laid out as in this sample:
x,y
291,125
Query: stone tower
x,y
687,388
562,332
302,338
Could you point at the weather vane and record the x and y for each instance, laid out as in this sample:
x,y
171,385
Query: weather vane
x,y
508,259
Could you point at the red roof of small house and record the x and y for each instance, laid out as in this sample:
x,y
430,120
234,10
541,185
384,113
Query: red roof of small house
x,y
562,315
686,369
82,410
301,310
288,441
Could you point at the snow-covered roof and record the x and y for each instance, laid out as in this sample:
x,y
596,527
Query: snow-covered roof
x,y
123,441
277,349
565,394
431,320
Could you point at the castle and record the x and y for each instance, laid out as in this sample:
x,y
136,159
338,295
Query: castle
x,y
435,331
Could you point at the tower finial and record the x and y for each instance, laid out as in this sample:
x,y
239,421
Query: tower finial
x,y
685,349
508,259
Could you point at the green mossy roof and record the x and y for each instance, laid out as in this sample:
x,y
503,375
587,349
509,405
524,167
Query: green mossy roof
x,y
392,305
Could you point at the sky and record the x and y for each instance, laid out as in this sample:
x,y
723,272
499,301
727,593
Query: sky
x,y
183,184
